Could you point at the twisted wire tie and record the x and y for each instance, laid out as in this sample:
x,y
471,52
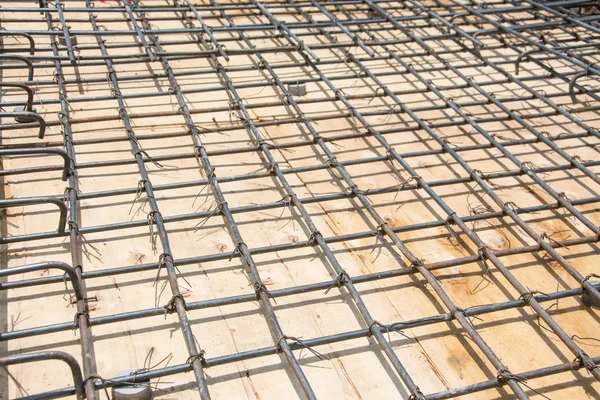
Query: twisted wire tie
x,y
477,172
342,278
415,264
417,394
67,192
171,305
101,379
586,280
339,92
545,236
449,219
234,104
270,167
163,259
151,218
504,375
584,360
481,252
510,205
198,150
564,196
578,159
332,162
380,230
83,313
141,187
193,358
259,288
312,239
379,325
238,247
527,296
406,182
362,192
376,94
301,343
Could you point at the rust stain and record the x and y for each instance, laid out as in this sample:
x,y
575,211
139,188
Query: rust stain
x,y
432,365
247,375
136,257
393,221
221,247
114,282
342,368
457,359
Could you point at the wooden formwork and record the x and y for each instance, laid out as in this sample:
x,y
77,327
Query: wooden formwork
x,y
258,274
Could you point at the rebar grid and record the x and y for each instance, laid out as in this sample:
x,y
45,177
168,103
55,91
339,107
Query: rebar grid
x,y
426,75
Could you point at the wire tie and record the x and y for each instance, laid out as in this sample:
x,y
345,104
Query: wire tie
x,y
578,159
512,206
527,296
379,325
200,356
171,306
415,264
198,150
477,172
403,185
301,343
352,189
416,395
584,360
586,279
528,165
332,162
544,235
238,248
73,226
259,288
548,135
101,379
504,375
342,278
363,192
339,92
72,298
376,94
140,189
387,329
496,136
312,239
67,193
83,313
270,167
163,259
151,221
381,228
563,195
483,257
